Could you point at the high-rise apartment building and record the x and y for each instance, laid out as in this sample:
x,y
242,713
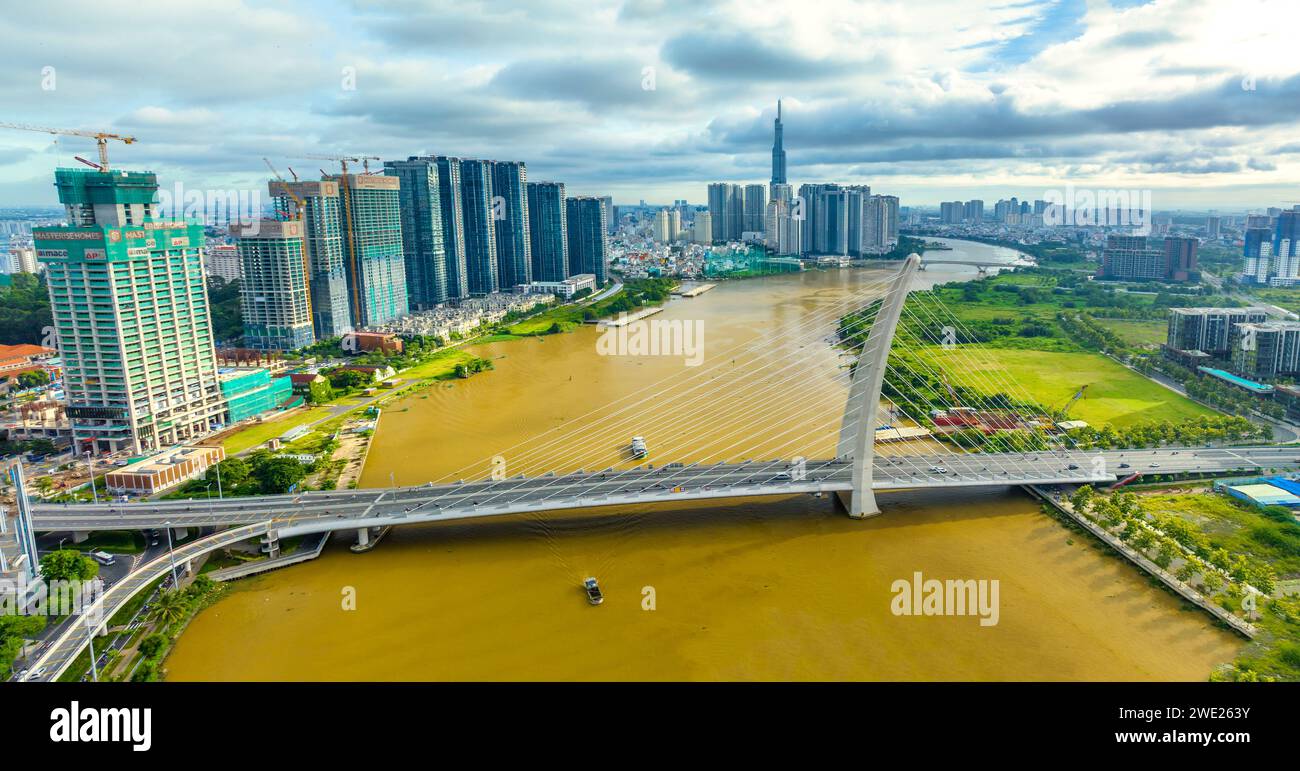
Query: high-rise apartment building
x,y
372,247
548,230
663,227
274,295
510,226
1268,349
702,229
425,255
1209,330
727,209
453,225
1180,259
129,301
588,239
1133,258
322,221
755,208
222,261
480,227
611,214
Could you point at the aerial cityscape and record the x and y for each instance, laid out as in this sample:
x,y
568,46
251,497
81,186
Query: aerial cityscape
x,y
652,341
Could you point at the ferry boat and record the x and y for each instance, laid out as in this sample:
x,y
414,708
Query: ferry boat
x,y
592,588
639,449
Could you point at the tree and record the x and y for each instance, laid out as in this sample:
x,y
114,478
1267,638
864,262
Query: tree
x,y
170,607
151,645
277,474
33,378
14,629
233,471
68,565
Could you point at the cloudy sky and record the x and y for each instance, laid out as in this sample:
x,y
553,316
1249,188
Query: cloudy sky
x,y
931,100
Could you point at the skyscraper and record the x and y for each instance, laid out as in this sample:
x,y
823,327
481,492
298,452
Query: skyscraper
x,y
611,214
662,227
778,150
480,228
273,295
422,232
548,231
322,219
588,244
727,208
129,301
372,246
755,207
510,210
453,225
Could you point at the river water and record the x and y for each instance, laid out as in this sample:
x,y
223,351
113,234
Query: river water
x,y
761,589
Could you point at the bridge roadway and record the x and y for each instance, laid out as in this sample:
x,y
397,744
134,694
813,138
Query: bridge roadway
x,y
323,511
313,512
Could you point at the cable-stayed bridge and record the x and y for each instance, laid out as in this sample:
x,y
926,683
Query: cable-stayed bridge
x,y
799,410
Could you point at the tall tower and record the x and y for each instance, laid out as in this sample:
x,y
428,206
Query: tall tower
x,y
422,231
322,220
275,292
480,227
129,300
548,230
510,212
372,219
778,150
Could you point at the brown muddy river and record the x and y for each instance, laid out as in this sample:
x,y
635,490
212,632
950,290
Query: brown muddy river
x,y
752,589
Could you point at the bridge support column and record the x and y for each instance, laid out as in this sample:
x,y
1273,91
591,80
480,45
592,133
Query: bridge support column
x,y
858,431
363,536
271,544
79,535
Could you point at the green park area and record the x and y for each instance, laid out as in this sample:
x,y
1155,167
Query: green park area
x,y
1136,332
258,433
1116,396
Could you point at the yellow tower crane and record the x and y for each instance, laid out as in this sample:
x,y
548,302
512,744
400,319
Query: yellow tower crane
x,y
343,161
101,138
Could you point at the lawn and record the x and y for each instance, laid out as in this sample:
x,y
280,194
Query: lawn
x,y
257,433
1134,332
1115,396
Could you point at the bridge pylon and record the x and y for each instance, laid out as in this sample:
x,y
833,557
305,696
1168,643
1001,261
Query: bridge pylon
x,y
858,429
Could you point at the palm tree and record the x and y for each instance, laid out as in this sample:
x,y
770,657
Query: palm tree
x,y
170,607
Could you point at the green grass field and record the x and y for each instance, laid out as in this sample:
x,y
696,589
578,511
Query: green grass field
x,y
1134,332
1115,395
1237,527
258,433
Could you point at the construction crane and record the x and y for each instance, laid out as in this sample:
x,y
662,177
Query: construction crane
x,y
298,202
1065,411
299,207
345,194
101,138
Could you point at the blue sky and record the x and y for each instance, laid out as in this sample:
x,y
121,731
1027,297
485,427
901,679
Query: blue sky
x,y
653,99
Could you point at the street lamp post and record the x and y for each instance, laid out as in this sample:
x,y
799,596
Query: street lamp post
x,y
171,555
219,495
94,667
90,466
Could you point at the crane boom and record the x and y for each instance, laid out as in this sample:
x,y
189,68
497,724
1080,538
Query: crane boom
x,y
101,137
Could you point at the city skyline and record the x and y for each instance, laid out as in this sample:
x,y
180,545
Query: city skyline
x,y
1190,100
